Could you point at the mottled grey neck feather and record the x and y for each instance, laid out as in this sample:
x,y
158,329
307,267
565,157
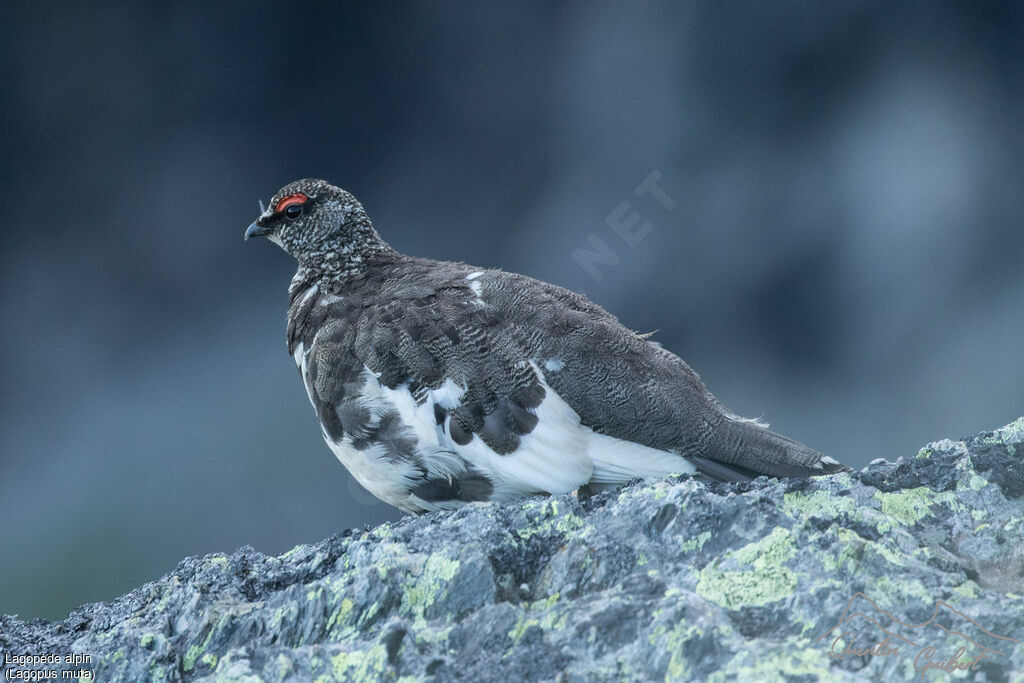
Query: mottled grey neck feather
x,y
343,258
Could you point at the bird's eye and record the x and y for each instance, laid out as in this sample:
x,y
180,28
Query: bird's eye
x,y
291,206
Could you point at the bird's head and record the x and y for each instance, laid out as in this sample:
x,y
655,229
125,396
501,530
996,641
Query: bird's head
x,y
317,223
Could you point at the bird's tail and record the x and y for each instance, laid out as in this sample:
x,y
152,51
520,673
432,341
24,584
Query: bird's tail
x,y
742,449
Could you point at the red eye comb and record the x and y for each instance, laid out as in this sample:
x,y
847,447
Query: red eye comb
x,y
289,200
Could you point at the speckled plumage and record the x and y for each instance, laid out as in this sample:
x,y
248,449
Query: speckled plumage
x,y
439,384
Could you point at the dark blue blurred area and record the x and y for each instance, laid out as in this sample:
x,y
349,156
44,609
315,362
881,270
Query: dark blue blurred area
x,y
842,256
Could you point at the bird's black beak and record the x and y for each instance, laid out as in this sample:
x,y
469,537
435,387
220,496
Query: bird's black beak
x,y
257,230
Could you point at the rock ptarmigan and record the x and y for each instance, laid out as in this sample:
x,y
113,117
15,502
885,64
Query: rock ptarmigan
x,y
439,384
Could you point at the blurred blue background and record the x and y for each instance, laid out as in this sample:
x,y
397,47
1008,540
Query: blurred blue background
x,y
843,255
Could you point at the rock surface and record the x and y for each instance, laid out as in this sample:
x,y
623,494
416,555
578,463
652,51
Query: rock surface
x,y
661,580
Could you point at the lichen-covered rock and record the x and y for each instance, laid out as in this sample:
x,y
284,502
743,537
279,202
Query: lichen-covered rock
x,y
671,580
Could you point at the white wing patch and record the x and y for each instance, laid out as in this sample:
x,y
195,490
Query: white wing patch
x,y
300,356
550,459
440,460
558,456
756,421
475,286
448,395
383,477
553,365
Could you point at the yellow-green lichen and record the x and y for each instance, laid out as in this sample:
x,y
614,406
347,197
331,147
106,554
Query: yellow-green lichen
x,y
906,507
673,640
898,590
545,603
844,479
777,665
279,615
554,620
359,665
800,505
371,611
521,627
219,561
553,521
1011,434
341,624
967,589
291,552
767,579
191,656
343,661
196,649
695,543
426,634
976,482
429,586
881,546
283,667
147,640
850,548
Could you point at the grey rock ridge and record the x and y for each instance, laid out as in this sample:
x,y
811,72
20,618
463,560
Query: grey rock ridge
x,y
919,562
